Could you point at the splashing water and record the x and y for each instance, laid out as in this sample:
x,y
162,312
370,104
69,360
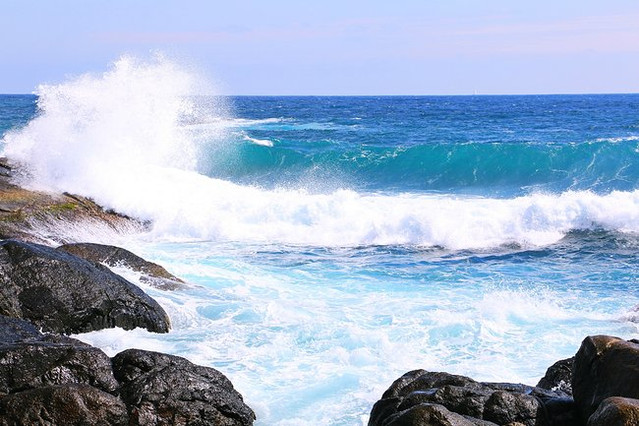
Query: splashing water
x,y
339,242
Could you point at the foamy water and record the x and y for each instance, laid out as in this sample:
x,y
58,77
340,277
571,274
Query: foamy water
x,y
315,295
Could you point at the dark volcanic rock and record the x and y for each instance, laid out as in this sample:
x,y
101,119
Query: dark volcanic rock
x,y
423,398
30,360
14,330
605,366
153,274
62,293
432,415
616,411
165,389
508,407
558,376
62,405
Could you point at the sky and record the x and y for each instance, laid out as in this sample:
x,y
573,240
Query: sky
x,y
334,47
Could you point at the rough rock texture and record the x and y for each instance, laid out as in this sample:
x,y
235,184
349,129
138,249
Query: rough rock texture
x,y
423,398
426,414
605,366
153,274
164,389
62,293
52,379
62,405
29,359
616,411
27,215
558,376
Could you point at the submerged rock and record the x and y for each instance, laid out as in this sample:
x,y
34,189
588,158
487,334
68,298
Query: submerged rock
x,y
432,398
605,366
153,274
62,293
166,389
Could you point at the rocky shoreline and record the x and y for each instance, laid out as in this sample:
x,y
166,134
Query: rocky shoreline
x,y
49,378
599,386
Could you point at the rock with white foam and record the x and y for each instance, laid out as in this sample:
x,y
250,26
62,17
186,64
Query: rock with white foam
x,y
152,273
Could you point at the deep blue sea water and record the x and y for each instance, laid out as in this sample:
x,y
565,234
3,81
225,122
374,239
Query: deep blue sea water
x,y
335,243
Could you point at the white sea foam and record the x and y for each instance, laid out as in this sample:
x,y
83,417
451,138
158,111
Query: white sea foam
x,y
125,138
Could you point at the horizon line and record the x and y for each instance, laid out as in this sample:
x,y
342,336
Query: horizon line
x,y
393,95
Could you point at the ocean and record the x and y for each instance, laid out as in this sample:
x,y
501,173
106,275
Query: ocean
x,y
335,243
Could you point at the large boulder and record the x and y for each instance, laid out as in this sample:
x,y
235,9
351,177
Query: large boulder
x,y
605,366
63,405
62,293
166,389
31,360
423,398
152,273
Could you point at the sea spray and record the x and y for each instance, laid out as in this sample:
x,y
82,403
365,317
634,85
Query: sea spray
x,y
483,236
136,138
101,130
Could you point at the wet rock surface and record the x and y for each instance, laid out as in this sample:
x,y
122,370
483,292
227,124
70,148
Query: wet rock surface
x,y
605,366
598,386
56,380
421,397
62,405
558,376
62,293
36,216
166,389
152,273
616,411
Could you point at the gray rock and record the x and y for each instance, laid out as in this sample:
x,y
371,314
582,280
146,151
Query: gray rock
x,y
62,293
62,405
153,274
165,389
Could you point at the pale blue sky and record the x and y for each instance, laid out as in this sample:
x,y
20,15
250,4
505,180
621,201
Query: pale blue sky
x,y
356,47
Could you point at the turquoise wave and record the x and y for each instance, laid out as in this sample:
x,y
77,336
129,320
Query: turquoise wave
x,y
600,166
